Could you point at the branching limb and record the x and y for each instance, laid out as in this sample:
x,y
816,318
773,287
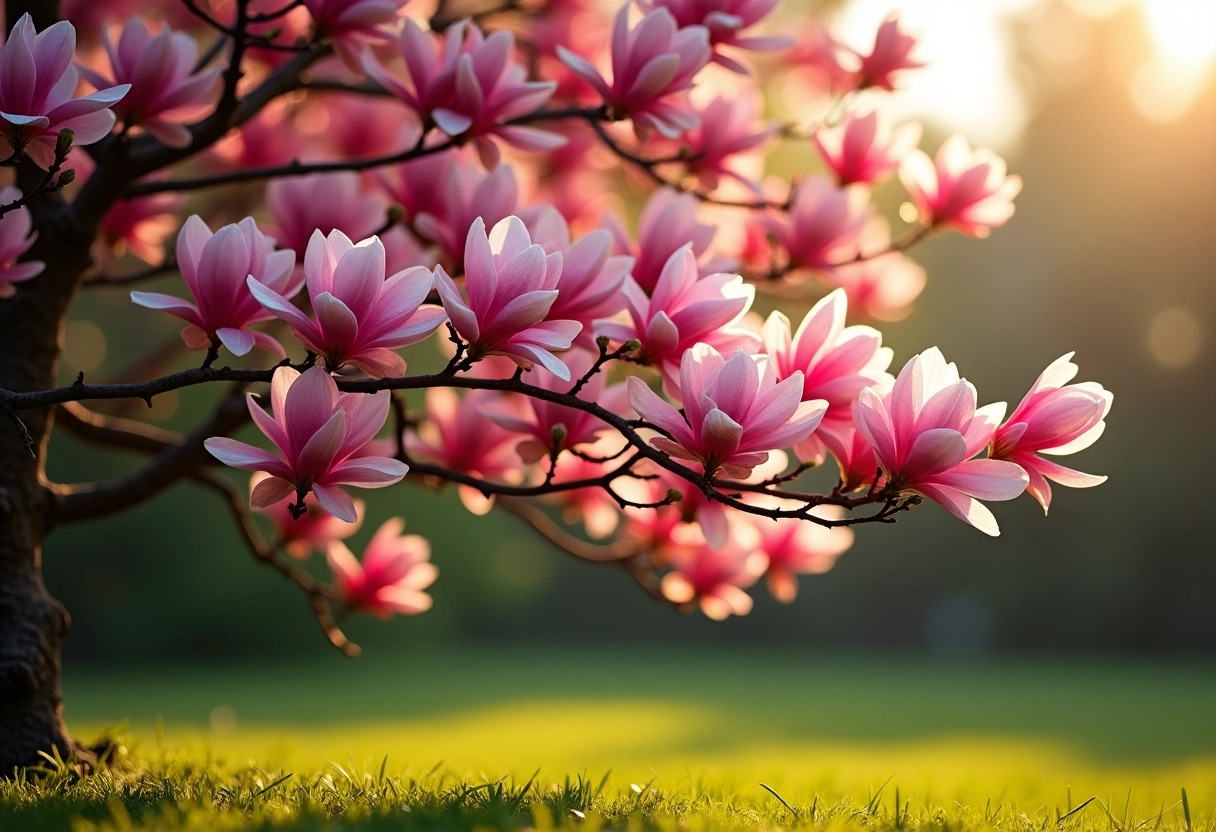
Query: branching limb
x,y
52,181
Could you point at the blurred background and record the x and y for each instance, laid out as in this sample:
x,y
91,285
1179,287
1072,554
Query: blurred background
x,y
1107,109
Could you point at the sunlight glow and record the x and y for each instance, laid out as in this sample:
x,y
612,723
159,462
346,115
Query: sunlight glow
x,y
1175,337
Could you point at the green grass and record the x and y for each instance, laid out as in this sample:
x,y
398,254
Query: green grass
x,y
671,739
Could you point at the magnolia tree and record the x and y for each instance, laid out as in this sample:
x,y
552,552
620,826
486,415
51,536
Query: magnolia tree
x,y
372,176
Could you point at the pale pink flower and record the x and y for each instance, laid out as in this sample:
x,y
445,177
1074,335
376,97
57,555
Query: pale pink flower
x,y
465,193
890,57
396,568
511,285
726,21
1055,418
713,576
15,240
735,411
325,202
350,24
794,546
964,190
828,67
300,536
824,224
721,144
469,87
668,221
215,268
855,459
684,310
37,93
651,65
836,362
165,92
318,433
362,316
925,431
598,513
865,149
879,286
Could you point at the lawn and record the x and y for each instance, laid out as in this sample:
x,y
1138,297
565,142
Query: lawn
x,y
644,739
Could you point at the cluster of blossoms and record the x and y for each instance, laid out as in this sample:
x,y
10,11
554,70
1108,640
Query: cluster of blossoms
x,y
624,378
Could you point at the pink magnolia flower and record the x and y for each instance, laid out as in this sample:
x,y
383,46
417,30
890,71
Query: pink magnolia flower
x,y
416,184
735,411
721,144
37,87
855,459
469,87
395,569
351,126
726,20
668,222
836,362
350,24
827,67
925,431
713,576
1055,418
511,285
825,223
318,433
215,268
463,195
598,513
794,546
865,148
890,57
651,65
269,139
966,191
15,240
325,202
361,316
684,310
142,225
314,529
165,92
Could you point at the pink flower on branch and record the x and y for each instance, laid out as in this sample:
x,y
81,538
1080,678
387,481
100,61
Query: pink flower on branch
x,y
396,568
37,93
713,577
15,240
735,411
726,142
925,432
651,65
824,224
1055,418
318,433
469,87
889,58
302,205
444,213
865,149
165,92
350,24
511,285
667,223
361,316
726,21
960,189
313,530
215,268
794,546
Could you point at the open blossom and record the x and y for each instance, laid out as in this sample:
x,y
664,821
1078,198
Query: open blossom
x,y
713,576
318,433
463,195
735,411
165,91
794,546
217,269
864,148
361,316
824,224
396,568
1055,418
684,310
37,87
651,64
511,285
15,240
889,58
668,221
726,21
855,459
468,87
721,144
313,530
925,431
960,189
300,205
598,513
350,24
827,67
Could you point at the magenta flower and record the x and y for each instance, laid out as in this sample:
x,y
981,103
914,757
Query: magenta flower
x,y
463,194
318,433
726,21
511,285
890,57
37,87
667,222
215,268
469,87
836,362
865,149
713,576
855,459
735,411
15,240
395,569
925,431
361,316
651,65
325,202
796,547
1055,418
966,191
825,223
165,92
684,310
350,24
313,530
720,145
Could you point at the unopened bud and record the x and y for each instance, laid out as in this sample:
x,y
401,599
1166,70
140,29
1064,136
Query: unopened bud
x,y
602,342
631,345
674,496
273,33
63,143
558,434
66,178
395,213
